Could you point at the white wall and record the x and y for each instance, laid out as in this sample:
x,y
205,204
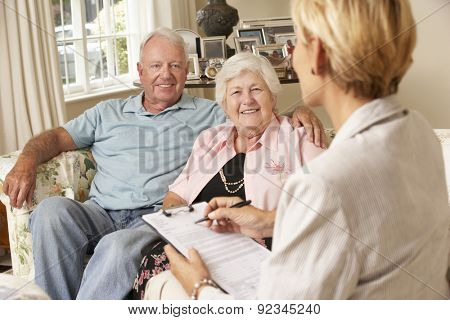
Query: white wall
x,y
426,86
75,108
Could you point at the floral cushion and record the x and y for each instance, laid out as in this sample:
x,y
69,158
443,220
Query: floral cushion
x,y
68,175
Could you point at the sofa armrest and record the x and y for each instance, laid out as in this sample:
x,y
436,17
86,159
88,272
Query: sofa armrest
x,y
69,175
443,136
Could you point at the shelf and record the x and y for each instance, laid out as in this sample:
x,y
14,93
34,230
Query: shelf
x,y
207,83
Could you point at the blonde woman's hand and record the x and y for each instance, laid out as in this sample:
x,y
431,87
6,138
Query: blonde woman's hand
x,y
187,271
247,220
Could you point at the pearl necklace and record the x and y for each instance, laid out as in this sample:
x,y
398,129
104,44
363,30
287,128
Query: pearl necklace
x,y
240,183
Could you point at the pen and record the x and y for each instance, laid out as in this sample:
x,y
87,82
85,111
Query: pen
x,y
236,205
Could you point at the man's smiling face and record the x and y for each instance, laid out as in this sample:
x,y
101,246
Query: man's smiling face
x,y
163,73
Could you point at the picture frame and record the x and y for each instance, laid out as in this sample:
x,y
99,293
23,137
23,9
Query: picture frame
x,y
203,64
246,44
194,68
271,30
270,26
214,66
213,47
211,72
289,39
249,23
275,53
190,38
251,32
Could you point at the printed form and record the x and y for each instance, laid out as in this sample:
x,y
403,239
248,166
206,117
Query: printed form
x,y
233,259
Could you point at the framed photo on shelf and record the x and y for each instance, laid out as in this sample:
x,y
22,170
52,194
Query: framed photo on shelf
x,y
249,23
252,32
214,66
271,30
213,47
190,37
289,39
203,64
246,44
270,26
194,69
275,53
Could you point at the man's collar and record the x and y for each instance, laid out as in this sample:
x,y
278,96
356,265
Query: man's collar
x,y
135,104
185,102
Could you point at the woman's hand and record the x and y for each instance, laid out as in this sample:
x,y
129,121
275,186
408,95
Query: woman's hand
x,y
187,271
247,220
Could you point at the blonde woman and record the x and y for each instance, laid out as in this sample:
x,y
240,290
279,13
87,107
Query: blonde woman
x,y
369,218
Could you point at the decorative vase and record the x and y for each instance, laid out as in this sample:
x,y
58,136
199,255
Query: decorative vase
x,y
217,18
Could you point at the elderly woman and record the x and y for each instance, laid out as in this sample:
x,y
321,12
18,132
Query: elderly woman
x,y
249,156
360,221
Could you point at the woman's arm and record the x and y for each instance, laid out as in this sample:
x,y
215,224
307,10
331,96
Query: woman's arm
x,y
173,200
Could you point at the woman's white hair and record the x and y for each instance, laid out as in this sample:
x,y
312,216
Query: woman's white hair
x,y
170,35
243,62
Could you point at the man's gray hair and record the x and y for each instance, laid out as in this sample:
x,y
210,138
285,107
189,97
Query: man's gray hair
x,y
240,63
170,35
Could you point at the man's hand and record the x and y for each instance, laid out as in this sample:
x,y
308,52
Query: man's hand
x,y
247,220
20,182
303,116
187,271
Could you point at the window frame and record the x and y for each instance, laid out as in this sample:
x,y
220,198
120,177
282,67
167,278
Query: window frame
x,y
137,16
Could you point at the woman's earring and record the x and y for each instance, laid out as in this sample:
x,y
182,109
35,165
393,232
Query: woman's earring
x,y
312,71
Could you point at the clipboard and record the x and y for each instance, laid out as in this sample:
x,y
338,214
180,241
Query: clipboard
x,y
168,213
233,259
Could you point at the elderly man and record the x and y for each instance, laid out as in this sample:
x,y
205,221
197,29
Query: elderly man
x,y
140,145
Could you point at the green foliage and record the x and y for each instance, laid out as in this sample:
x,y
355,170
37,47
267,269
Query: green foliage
x,y
120,26
122,53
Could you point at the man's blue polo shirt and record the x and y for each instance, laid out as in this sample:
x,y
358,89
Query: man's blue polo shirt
x,y
139,154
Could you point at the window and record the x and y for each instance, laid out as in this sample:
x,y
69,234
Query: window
x,y
94,41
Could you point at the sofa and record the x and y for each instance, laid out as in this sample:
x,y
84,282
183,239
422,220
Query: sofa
x,y
70,175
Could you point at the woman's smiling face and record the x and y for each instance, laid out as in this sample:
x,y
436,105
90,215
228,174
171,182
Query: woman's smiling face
x,y
249,102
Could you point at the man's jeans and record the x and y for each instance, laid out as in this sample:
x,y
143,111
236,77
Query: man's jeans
x,y
64,231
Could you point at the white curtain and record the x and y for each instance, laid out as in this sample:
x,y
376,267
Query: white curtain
x,y
31,94
175,14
